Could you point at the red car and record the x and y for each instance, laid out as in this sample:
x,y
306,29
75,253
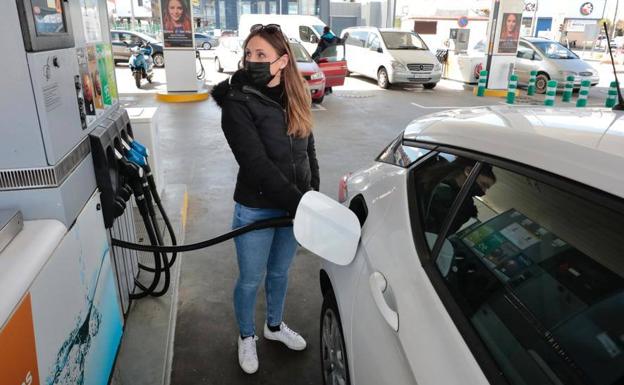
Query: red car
x,y
321,77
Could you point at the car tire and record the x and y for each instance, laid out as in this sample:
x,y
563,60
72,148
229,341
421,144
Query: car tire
x,y
541,83
217,64
430,86
334,363
159,60
206,45
319,100
382,78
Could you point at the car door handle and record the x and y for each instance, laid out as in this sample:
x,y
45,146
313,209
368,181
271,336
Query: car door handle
x,y
378,285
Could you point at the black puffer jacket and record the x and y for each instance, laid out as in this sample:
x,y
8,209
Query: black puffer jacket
x,y
275,168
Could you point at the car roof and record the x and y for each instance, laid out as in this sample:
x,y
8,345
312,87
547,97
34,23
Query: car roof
x,y
585,145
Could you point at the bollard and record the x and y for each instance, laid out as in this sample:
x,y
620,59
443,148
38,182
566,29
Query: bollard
x,y
551,91
511,89
531,88
567,91
612,95
583,93
482,81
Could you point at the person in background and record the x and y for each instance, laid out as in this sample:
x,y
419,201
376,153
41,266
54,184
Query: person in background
x,y
267,122
328,39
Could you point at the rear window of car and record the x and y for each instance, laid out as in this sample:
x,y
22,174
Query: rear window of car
x,y
537,270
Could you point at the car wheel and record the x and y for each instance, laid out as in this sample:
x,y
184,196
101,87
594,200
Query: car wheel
x,y
159,60
206,45
382,78
319,100
334,363
429,86
541,83
217,65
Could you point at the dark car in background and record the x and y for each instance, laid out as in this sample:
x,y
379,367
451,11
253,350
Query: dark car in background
x,y
122,41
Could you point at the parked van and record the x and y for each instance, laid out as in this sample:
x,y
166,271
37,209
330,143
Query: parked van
x,y
306,29
391,56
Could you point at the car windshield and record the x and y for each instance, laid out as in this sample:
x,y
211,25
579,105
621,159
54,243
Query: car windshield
x,y
318,29
301,55
403,40
554,50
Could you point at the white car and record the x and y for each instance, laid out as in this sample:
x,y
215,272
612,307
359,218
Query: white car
x,y
491,251
228,54
391,56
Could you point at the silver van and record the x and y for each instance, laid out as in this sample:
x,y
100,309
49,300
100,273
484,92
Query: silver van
x,y
391,56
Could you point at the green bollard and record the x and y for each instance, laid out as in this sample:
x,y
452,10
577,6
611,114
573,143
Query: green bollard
x,y
511,89
531,88
482,81
551,92
567,91
583,93
612,95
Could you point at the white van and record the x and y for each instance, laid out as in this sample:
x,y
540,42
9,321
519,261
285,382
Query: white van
x,y
306,29
391,56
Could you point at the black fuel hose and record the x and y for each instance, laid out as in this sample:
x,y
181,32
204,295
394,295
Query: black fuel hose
x,y
263,224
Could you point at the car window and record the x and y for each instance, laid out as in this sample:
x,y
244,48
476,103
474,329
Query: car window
x,y
554,50
438,182
306,34
403,40
401,155
357,38
115,37
373,42
301,55
333,53
539,273
524,51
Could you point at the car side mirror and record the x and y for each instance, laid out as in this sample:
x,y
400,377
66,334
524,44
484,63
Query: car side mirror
x,y
314,39
327,228
125,43
378,49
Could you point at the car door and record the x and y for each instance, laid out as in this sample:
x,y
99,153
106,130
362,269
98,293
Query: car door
x,y
533,295
374,55
120,50
333,64
401,332
308,38
355,50
526,61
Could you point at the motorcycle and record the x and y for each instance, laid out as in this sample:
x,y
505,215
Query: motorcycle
x,y
141,64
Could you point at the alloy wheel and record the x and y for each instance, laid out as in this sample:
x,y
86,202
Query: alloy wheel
x,y
332,350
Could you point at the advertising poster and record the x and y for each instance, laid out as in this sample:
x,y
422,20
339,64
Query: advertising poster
x,y
88,92
509,33
91,21
101,64
177,23
94,74
110,70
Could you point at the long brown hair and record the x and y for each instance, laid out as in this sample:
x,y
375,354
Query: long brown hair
x,y
169,24
298,98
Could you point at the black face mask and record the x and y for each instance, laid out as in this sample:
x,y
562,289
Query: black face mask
x,y
259,72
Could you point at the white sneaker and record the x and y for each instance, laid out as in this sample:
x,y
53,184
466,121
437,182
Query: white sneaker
x,y
287,336
247,355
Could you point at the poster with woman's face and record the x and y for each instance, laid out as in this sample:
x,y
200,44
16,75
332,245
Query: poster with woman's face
x,y
510,33
177,23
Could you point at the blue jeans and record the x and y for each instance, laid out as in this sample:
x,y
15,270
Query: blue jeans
x,y
269,251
